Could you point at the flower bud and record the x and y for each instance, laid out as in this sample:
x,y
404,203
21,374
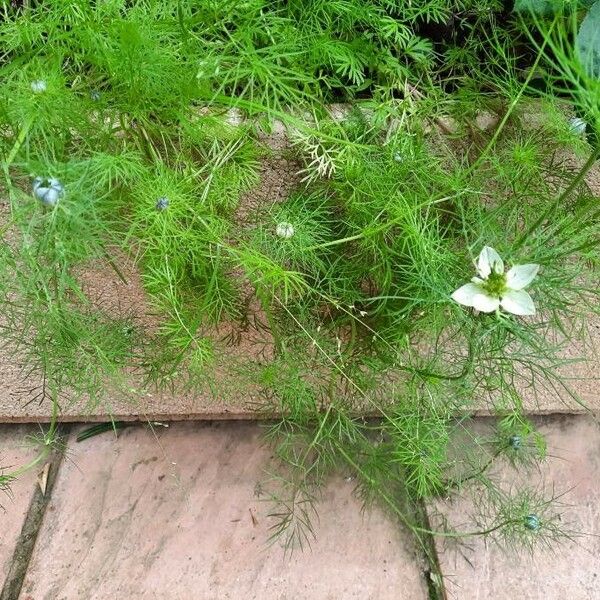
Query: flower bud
x,y
162,203
285,230
577,125
515,442
38,86
48,190
532,522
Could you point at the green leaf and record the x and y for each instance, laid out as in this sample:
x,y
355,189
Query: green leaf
x,y
550,7
539,7
588,42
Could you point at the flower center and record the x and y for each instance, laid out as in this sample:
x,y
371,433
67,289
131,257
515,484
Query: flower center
x,y
495,284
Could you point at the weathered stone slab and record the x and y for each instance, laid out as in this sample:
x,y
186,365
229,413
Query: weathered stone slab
x,y
15,405
14,453
278,177
569,569
179,513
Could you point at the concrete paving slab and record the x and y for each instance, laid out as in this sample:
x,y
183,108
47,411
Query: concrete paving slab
x,y
278,177
179,514
14,453
568,570
229,399
230,402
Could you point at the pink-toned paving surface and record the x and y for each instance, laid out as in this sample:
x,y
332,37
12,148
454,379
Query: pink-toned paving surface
x,y
14,452
180,513
16,403
569,570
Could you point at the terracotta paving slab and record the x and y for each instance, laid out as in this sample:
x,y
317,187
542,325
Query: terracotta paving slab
x,y
569,570
14,453
177,515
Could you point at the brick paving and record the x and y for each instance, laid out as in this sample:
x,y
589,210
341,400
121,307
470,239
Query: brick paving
x,y
570,570
15,406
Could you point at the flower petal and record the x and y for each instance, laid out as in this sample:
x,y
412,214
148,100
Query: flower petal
x,y
48,196
521,276
464,295
484,303
518,302
489,260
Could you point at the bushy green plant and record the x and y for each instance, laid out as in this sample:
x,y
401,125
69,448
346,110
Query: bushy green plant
x,y
118,134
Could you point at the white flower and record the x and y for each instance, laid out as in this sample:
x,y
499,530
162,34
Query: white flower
x,y
577,125
285,230
494,288
38,86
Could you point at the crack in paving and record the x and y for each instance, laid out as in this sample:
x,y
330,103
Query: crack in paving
x,y
434,577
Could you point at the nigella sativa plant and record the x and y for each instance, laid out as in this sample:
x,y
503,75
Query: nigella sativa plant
x,y
493,289
48,190
285,230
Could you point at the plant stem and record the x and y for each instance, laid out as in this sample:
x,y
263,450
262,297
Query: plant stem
x,y
415,528
266,306
15,150
369,231
46,448
514,102
455,483
563,196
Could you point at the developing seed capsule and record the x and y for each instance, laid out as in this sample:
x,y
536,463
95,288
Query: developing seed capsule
x,y
38,86
515,442
532,522
285,230
48,190
162,203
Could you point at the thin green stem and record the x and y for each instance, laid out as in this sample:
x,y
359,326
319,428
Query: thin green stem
x,y
14,151
370,231
514,103
561,198
455,483
49,438
416,528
